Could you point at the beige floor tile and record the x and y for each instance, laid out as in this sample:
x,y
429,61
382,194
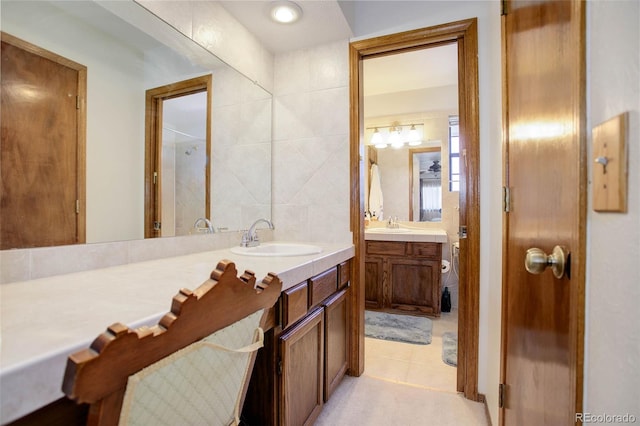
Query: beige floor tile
x,y
386,349
414,364
386,368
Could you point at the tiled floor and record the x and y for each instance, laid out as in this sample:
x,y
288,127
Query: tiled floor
x,y
420,365
404,384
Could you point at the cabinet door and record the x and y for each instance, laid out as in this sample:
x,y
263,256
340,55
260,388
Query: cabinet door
x,y
373,282
336,338
415,285
301,380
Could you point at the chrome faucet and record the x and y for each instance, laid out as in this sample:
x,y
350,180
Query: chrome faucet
x,y
250,237
207,228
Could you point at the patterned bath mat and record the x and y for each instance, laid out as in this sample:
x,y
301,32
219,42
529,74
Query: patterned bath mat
x,y
450,348
398,328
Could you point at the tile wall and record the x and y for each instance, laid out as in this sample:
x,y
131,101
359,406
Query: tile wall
x,y
211,26
310,169
30,264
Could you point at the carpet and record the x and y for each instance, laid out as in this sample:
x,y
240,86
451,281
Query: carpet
x,y
371,401
450,348
398,328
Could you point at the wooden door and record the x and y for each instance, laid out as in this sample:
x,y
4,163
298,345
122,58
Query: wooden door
x,y
42,151
301,381
336,340
544,92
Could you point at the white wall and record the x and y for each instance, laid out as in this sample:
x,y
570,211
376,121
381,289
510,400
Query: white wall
x,y
612,347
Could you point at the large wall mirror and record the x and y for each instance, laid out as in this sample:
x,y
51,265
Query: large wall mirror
x,y
412,93
125,51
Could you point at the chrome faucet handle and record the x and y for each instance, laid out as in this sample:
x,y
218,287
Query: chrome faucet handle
x,y
244,241
249,240
250,237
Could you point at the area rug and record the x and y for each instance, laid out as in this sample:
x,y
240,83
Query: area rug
x,y
398,328
450,348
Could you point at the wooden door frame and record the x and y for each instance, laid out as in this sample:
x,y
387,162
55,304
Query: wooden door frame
x,y
411,152
464,33
153,145
81,126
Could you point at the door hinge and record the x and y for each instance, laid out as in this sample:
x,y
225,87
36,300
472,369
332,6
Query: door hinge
x,y
462,232
157,226
502,389
506,199
279,367
77,206
77,101
155,178
503,7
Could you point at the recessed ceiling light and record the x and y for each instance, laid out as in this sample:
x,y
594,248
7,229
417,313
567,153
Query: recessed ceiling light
x,y
285,12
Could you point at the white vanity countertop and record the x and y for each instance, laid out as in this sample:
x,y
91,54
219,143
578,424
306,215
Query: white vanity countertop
x,y
45,320
406,234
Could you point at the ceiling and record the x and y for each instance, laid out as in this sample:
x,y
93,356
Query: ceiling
x,y
407,71
322,22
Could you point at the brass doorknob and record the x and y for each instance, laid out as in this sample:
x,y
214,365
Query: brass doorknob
x,y
536,261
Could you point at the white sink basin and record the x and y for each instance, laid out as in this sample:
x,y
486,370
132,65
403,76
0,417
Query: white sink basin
x,y
388,230
278,249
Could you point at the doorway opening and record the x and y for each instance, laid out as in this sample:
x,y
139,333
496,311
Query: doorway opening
x,y
464,35
177,157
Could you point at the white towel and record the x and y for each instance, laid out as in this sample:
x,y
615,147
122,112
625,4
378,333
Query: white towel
x,y
375,193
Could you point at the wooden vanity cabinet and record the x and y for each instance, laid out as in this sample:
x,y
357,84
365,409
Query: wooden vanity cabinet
x,y
305,356
301,370
403,277
414,285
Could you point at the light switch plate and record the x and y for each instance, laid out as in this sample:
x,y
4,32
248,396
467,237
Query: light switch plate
x,y
610,165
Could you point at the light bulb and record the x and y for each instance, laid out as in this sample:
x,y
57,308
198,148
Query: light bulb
x,y
394,138
414,136
376,138
285,12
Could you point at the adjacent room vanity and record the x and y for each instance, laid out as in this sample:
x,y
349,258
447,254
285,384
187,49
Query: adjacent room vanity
x,y
403,270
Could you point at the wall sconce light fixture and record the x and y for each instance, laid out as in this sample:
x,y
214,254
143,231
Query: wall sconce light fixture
x,y
397,136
